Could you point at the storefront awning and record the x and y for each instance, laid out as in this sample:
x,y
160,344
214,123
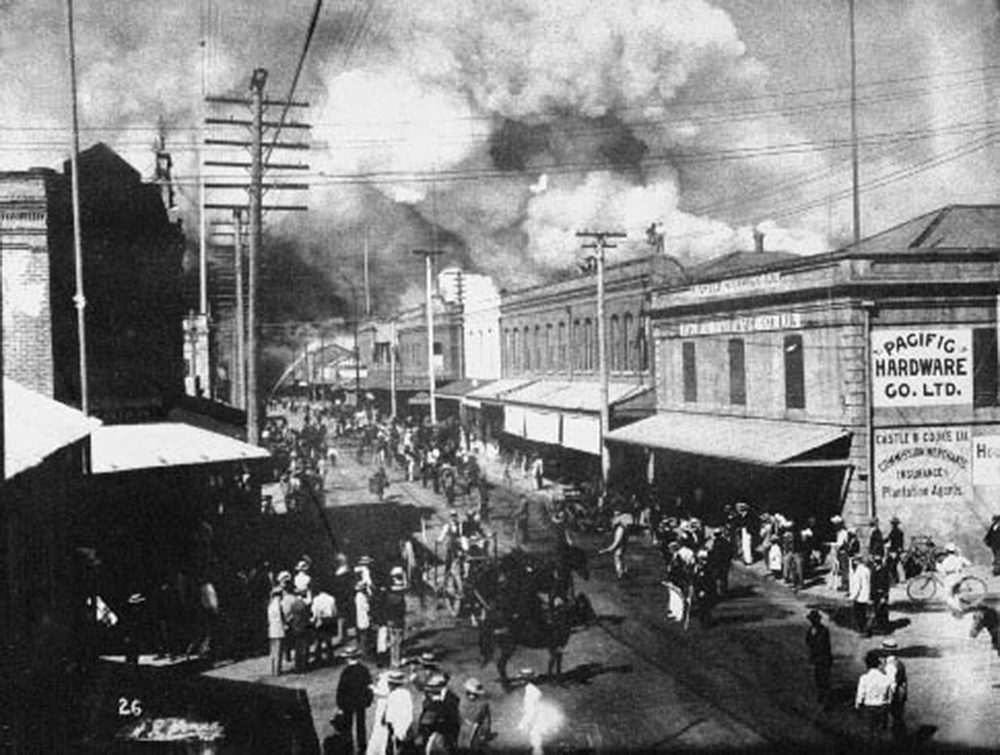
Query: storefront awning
x,y
573,396
754,441
458,389
496,391
127,448
36,427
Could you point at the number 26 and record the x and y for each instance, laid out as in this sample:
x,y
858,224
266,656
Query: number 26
x,y
128,707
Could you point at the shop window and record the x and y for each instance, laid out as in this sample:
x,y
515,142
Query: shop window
x,y
984,367
690,372
795,384
737,372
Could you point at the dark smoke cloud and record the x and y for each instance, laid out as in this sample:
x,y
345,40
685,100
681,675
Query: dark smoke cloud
x,y
572,115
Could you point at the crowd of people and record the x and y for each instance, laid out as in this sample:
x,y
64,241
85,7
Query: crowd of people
x,y
308,619
459,723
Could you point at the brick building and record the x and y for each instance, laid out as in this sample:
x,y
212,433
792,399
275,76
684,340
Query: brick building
x,y
861,381
132,256
548,400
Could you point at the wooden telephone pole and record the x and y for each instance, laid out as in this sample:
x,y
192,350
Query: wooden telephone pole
x,y
254,208
599,245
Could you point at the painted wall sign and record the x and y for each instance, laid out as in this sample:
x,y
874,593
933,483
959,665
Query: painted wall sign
x,y
923,465
754,324
986,460
733,285
921,367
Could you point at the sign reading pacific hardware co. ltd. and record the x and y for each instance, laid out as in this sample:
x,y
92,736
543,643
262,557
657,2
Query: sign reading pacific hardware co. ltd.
x,y
921,367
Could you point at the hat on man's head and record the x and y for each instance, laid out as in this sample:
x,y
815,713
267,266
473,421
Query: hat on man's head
x,y
351,651
814,616
837,519
365,561
889,644
894,520
436,682
302,565
284,577
395,678
473,686
427,658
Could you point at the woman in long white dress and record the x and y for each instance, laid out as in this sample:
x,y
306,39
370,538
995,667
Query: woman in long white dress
x,y
378,742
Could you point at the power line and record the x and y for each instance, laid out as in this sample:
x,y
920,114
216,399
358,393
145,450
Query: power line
x,y
295,79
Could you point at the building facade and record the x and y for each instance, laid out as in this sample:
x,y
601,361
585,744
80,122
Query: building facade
x,y
860,382
549,397
132,267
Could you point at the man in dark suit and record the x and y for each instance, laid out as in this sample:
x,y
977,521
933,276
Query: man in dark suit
x,y
354,695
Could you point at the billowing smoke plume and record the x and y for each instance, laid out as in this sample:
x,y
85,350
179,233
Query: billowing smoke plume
x,y
491,131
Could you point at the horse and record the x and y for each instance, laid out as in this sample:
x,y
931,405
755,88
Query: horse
x,y
985,617
552,576
507,628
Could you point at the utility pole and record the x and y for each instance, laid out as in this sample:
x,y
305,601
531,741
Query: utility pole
x,y
78,298
855,180
599,245
255,209
392,367
368,297
257,82
428,255
240,360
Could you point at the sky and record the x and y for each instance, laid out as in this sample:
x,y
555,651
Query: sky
x,y
495,131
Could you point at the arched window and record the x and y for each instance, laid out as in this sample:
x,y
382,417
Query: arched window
x,y
505,350
615,344
588,344
577,346
515,354
549,358
527,348
628,343
537,357
561,348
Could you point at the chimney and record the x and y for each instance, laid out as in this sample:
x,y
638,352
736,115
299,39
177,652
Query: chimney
x,y
758,240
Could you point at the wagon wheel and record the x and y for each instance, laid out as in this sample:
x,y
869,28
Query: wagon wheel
x,y
452,591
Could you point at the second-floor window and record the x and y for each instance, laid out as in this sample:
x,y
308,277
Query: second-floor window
x,y
795,376
628,343
737,373
690,369
984,367
561,348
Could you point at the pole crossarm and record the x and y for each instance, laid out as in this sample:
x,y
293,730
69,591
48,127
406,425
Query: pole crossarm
x,y
250,102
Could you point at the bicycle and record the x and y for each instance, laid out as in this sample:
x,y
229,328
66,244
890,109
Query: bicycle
x,y
969,590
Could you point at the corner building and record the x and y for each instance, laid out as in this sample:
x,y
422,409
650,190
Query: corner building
x,y
861,381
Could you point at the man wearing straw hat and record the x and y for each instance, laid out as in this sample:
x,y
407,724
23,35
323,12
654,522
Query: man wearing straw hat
x,y
896,672
477,718
398,709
